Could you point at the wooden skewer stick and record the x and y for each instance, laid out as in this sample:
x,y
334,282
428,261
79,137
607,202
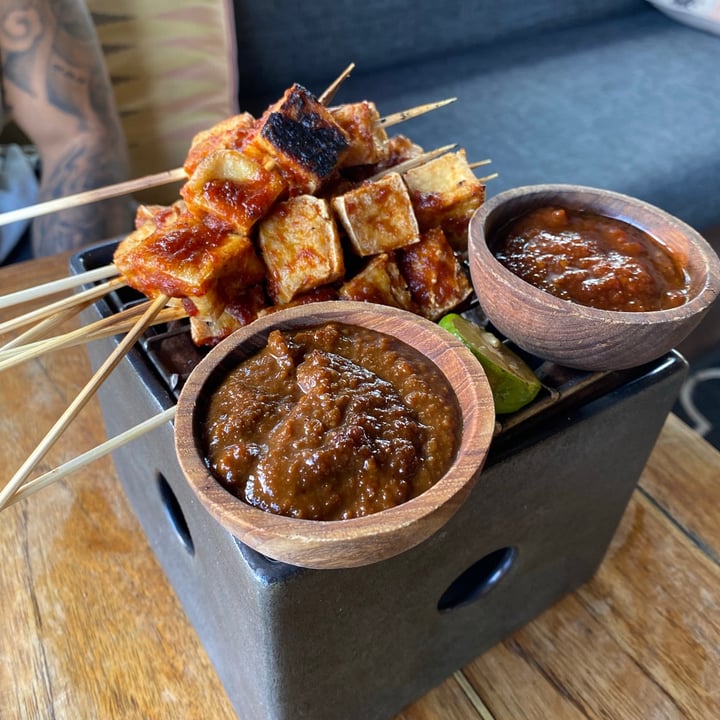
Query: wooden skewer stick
x,y
81,400
91,196
169,176
74,300
106,327
414,162
479,163
44,326
96,453
487,178
56,286
332,89
414,112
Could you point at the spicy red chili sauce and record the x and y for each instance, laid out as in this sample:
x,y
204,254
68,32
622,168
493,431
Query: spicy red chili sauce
x,y
592,260
332,422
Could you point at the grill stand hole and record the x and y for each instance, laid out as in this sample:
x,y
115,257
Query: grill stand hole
x,y
175,514
478,580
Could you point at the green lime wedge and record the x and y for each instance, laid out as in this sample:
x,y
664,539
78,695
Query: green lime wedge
x,y
513,383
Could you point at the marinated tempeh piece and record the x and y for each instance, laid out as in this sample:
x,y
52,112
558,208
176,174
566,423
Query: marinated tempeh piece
x,y
378,216
300,245
436,279
232,187
445,192
379,282
228,134
300,135
368,139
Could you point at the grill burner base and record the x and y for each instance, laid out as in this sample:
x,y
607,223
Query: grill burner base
x,y
362,643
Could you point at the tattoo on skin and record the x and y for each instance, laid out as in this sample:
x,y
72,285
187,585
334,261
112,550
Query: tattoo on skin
x,y
21,29
62,99
81,169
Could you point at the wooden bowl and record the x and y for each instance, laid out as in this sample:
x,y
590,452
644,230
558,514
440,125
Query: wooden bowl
x,y
574,335
359,541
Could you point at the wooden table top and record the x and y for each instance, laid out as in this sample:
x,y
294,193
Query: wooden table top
x,y
91,628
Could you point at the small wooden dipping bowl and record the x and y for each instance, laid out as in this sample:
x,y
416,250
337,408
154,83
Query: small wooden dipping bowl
x,y
571,334
357,541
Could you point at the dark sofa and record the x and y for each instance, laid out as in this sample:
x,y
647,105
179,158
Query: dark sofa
x,y
609,93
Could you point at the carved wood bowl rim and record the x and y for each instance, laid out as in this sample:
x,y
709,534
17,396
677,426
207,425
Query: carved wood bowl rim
x,y
575,335
358,541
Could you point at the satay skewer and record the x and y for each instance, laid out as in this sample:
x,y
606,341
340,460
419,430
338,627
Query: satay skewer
x,y
57,286
43,327
413,162
91,196
12,355
81,400
404,115
95,453
329,93
169,176
61,305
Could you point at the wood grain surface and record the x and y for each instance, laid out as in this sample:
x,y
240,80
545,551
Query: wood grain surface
x,y
90,627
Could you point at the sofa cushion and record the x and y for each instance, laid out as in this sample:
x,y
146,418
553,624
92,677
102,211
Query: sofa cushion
x,y
280,42
629,104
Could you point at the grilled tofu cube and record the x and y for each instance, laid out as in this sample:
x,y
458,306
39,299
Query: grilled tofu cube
x,y
378,216
158,215
445,193
300,245
379,282
434,275
186,258
228,134
233,188
239,310
368,139
300,135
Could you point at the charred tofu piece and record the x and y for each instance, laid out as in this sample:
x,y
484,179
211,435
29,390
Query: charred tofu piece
x,y
300,245
368,139
378,216
446,193
379,282
228,134
435,277
232,187
299,134
186,258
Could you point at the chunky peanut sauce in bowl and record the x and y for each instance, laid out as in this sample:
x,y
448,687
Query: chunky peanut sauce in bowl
x,y
335,434
588,278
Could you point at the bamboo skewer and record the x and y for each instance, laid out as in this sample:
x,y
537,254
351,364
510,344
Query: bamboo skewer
x,y
96,453
47,310
332,89
169,176
107,327
55,286
81,400
403,115
44,326
414,162
90,196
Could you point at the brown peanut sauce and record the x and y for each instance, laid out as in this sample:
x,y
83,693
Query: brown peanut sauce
x,y
592,260
332,422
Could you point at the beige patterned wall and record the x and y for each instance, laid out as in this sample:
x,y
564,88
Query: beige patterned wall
x,y
172,65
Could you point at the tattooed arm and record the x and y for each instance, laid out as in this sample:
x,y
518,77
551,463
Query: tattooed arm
x,y
58,92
